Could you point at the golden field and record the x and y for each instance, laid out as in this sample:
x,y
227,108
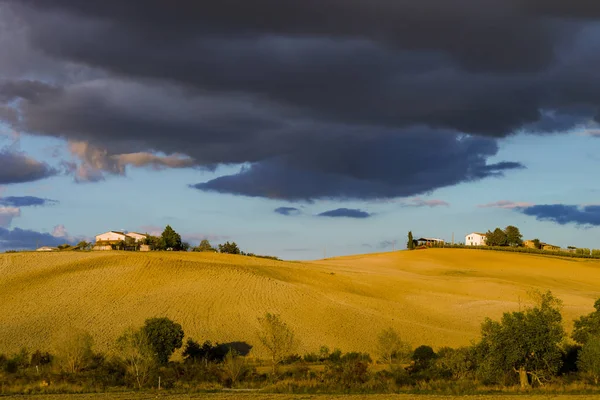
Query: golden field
x,y
436,297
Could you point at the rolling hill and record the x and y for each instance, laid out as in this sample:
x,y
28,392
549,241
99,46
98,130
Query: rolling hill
x,y
436,297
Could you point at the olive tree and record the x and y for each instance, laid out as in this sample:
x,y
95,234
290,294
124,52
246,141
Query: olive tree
x,y
587,325
526,343
164,337
277,338
74,350
391,348
135,352
588,361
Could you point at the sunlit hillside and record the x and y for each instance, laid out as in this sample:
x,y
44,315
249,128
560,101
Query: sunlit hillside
x,y
436,297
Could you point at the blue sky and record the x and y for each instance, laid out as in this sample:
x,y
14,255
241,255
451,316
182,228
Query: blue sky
x,y
559,171
296,137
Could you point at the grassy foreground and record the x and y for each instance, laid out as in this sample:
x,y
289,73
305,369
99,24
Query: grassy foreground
x,y
437,297
260,396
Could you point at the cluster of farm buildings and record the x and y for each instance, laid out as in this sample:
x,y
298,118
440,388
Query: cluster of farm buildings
x,y
479,239
112,240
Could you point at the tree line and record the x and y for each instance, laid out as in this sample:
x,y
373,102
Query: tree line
x,y
526,348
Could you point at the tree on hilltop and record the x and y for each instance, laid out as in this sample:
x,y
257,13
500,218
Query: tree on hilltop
x,y
229,248
170,239
496,238
205,246
513,236
410,244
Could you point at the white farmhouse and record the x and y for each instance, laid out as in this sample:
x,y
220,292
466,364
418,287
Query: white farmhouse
x,y
110,237
475,239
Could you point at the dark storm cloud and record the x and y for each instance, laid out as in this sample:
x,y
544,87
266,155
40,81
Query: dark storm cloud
x,y
23,239
345,213
25,201
288,211
368,168
297,89
17,167
565,214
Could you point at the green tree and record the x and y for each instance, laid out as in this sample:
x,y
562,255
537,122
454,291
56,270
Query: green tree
x,y
423,356
526,343
496,238
137,355
164,336
513,236
277,338
587,325
391,348
229,248
537,243
410,244
170,239
74,351
205,246
83,245
459,363
588,361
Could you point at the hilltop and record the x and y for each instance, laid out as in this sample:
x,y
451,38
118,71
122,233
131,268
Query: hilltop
x,y
437,296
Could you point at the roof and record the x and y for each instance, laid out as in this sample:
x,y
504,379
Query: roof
x,y
137,233
477,233
120,233
431,239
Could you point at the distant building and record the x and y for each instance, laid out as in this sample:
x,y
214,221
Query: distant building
x,y
543,246
46,248
475,239
107,240
429,242
110,237
550,247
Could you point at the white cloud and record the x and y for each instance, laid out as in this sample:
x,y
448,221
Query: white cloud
x,y
506,204
7,214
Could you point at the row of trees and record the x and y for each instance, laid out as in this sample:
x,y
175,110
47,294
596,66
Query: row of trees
x,y
527,348
509,236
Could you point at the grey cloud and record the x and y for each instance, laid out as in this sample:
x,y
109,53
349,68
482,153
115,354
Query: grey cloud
x,y
17,167
386,244
25,201
288,211
419,202
345,213
368,168
565,214
23,239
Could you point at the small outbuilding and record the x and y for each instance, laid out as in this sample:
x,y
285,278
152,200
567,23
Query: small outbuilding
x,y
46,248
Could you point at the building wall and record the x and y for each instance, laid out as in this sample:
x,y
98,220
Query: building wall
x,y
549,247
102,248
137,236
474,239
110,236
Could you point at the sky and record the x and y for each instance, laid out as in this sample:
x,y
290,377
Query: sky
x,y
299,129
